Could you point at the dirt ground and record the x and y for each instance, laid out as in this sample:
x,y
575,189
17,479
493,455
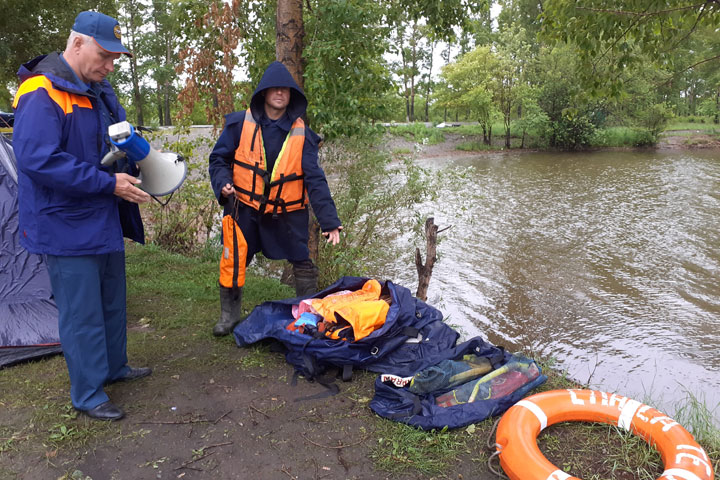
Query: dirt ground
x,y
238,418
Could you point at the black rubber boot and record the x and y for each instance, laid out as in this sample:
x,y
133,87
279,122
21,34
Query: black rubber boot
x,y
305,279
229,311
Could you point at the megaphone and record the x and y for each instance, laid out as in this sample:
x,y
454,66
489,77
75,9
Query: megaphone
x,y
161,173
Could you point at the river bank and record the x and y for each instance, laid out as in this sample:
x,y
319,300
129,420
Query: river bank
x,y
686,139
212,410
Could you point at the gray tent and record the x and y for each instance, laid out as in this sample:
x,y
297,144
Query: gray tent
x,y
28,315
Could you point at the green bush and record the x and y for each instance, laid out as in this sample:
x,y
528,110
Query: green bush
x,y
573,131
184,224
656,117
373,196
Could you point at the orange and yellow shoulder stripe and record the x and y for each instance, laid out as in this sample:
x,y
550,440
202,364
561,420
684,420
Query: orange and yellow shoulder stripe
x,y
65,100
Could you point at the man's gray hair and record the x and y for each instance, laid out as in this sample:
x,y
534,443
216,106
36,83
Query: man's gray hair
x,y
73,36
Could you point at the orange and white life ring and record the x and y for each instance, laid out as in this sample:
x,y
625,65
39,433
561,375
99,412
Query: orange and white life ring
x,y
518,429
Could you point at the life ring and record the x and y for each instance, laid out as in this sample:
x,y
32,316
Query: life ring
x,y
518,429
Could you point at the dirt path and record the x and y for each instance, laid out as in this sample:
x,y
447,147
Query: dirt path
x,y
215,411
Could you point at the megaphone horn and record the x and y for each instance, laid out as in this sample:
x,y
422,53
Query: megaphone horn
x,y
161,173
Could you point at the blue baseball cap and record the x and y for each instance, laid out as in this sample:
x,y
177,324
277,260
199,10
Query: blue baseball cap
x,y
105,30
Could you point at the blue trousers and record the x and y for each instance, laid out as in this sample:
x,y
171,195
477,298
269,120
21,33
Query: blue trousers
x,y
90,295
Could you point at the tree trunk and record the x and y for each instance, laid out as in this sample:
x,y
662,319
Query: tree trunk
x,y
289,44
137,97
167,90
413,63
159,94
290,35
425,271
429,83
507,130
406,89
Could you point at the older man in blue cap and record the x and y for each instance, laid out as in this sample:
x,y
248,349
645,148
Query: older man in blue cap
x,y
74,210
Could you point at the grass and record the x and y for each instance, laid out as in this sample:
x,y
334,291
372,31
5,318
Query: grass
x,y
607,137
692,123
402,151
171,306
623,137
400,448
702,127
419,133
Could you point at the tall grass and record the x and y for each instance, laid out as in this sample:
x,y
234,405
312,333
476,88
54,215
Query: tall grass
x,y
623,137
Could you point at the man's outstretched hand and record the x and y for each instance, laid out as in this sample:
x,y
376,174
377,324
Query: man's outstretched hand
x,y
333,236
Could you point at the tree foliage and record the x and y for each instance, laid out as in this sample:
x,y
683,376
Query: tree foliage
x,y
209,60
346,76
611,35
32,28
363,62
467,85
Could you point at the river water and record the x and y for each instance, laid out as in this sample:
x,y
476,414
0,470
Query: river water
x,y
608,263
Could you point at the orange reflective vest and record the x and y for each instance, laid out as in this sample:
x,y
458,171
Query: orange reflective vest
x,y
279,191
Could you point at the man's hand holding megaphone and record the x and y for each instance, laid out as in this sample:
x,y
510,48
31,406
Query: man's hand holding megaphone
x,y
161,173
125,188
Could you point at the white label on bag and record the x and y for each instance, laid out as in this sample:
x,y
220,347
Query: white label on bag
x,y
397,381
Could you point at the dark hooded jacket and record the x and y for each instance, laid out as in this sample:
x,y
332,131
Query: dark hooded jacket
x,y
273,135
66,203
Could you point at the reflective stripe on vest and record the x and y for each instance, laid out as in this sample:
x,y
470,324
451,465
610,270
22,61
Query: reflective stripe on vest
x,y
281,191
65,100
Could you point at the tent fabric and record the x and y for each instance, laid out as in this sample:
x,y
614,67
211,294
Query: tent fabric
x,y
399,404
412,335
28,315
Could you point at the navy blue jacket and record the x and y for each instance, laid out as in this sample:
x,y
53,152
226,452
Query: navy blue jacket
x,y
66,204
274,134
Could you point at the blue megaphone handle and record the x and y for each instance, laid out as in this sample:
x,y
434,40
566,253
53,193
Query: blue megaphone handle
x,y
135,146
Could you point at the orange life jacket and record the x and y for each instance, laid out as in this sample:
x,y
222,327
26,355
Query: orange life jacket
x,y
234,255
350,315
279,191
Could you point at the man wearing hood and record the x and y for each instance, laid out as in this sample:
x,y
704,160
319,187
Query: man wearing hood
x,y
263,168
75,211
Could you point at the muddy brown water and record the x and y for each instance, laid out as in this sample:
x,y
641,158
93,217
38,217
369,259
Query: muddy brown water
x,y
608,262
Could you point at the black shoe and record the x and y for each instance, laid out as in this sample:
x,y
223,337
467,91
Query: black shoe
x,y
132,374
105,411
136,373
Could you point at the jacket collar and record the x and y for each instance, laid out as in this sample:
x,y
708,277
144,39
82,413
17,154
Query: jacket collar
x,y
55,69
